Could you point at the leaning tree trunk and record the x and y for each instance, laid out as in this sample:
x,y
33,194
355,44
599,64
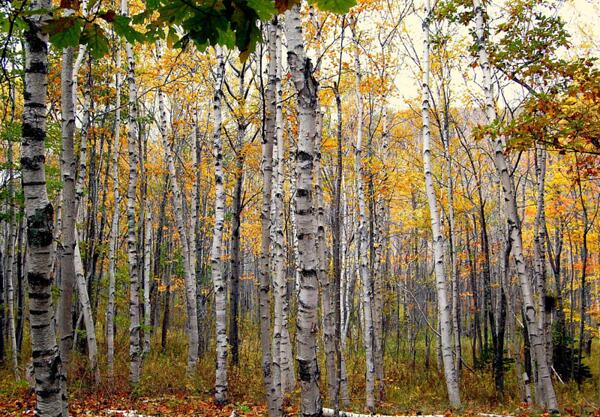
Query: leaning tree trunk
x,y
217,250
514,224
308,296
39,212
135,358
86,311
438,240
362,244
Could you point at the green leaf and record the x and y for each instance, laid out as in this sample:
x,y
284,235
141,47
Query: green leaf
x,y
64,31
94,37
265,9
336,6
123,28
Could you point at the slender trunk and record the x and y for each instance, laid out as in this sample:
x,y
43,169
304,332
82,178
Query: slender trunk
x,y
67,220
147,279
217,250
308,296
269,108
39,212
236,258
86,306
438,239
540,251
132,252
114,231
363,242
10,263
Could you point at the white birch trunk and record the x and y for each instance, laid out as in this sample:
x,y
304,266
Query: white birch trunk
x,y
273,391
67,214
147,280
132,254
363,242
283,376
114,230
286,361
39,213
308,296
10,260
438,239
217,250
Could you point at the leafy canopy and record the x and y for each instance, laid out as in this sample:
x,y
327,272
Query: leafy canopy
x,y
231,23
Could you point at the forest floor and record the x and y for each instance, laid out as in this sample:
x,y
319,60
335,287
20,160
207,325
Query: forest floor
x,y
411,387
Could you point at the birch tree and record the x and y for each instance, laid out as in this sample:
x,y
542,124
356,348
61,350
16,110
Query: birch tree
x,y
445,323
217,242
39,212
362,244
132,254
308,295
113,245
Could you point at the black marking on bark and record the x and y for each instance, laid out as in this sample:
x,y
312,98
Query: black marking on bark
x,y
47,393
32,37
303,156
40,353
38,295
37,68
34,133
40,227
304,370
35,279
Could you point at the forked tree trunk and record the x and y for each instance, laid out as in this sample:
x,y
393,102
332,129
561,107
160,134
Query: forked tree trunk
x,y
39,212
445,322
308,296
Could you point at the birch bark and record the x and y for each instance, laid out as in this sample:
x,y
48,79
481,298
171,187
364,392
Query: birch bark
x,y
445,323
217,250
39,213
132,254
308,296
114,231
362,244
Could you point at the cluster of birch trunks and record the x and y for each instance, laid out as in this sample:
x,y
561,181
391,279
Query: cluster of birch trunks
x,y
327,260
